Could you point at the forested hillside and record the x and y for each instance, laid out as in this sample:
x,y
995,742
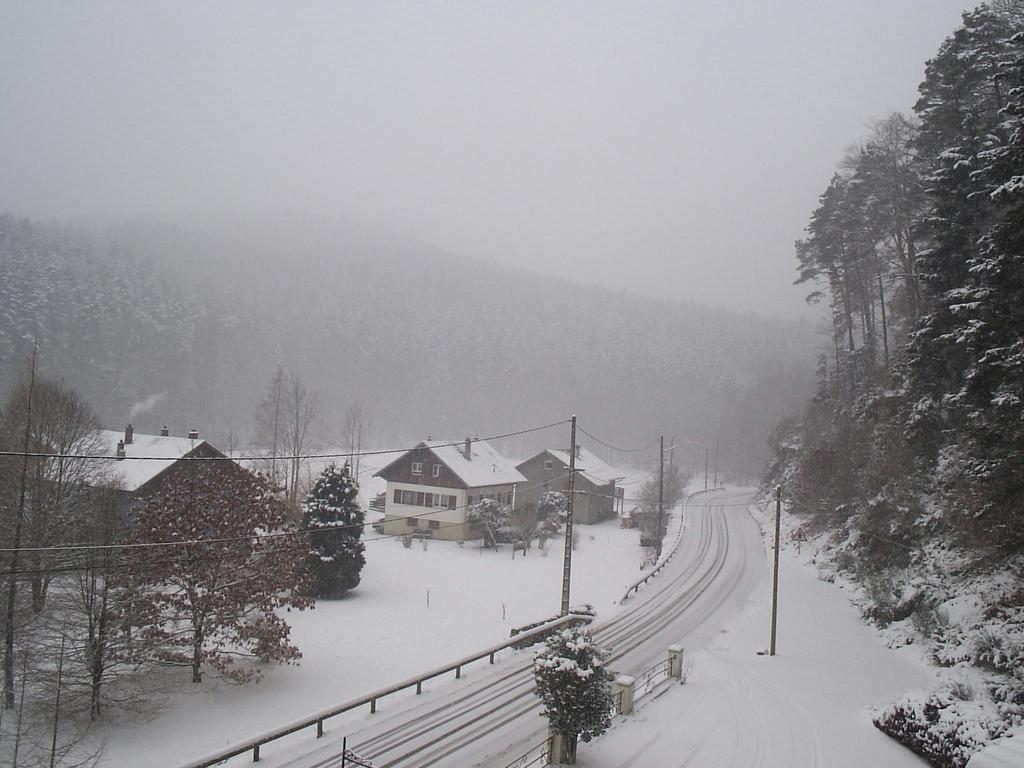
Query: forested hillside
x,y
184,324
909,459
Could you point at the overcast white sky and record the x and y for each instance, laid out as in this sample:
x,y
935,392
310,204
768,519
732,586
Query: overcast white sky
x,y
674,148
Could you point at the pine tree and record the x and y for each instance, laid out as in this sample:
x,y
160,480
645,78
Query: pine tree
x,y
334,519
574,685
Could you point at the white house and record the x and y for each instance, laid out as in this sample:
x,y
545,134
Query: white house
x,y
430,487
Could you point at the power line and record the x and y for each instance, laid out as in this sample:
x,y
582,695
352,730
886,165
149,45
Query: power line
x,y
291,457
257,537
615,447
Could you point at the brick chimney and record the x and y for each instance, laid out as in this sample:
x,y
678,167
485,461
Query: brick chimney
x,y
129,433
120,450
466,450
164,431
193,434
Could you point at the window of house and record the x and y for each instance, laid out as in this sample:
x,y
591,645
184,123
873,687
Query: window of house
x,y
411,522
548,464
398,496
417,467
451,502
437,470
428,500
419,498
435,524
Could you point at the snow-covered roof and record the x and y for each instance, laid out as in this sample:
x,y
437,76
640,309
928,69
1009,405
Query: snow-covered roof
x,y
484,467
588,464
134,473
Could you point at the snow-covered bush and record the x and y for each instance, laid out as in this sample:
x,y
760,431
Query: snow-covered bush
x,y
574,686
946,726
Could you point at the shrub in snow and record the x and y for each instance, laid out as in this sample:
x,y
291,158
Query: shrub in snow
x,y
574,686
493,517
331,514
947,726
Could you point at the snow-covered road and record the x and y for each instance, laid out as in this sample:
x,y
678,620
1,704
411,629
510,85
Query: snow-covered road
x,y
808,707
492,716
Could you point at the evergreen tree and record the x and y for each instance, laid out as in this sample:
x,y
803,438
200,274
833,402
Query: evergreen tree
x,y
574,685
334,519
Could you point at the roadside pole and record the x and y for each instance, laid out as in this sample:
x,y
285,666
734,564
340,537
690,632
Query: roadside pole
x,y
775,567
567,560
661,492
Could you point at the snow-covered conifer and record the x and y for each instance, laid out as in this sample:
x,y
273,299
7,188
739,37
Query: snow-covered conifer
x,y
574,685
331,514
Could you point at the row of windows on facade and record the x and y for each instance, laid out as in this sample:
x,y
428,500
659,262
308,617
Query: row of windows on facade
x,y
417,469
502,498
421,499
426,499
413,522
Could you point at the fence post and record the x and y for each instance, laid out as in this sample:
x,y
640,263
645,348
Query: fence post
x,y
675,656
624,693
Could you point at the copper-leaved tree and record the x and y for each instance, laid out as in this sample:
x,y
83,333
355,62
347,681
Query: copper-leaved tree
x,y
233,562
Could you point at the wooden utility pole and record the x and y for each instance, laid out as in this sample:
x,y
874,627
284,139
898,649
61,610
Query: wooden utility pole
x,y
567,560
661,491
705,468
716,461
12,590
775,567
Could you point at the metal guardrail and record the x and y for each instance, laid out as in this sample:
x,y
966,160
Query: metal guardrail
x,y
648,680
635,586
253,745
534,756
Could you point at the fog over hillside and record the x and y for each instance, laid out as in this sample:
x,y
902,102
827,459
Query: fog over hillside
x,y
184,322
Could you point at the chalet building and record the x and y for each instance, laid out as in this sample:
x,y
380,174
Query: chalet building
x,y
597,498
138,477
430,487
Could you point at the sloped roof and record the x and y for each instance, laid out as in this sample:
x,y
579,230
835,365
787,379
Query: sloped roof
x,y
134,473
484,467
588,464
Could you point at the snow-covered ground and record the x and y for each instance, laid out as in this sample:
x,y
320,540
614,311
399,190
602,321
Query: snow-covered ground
x,y
810,705
415,609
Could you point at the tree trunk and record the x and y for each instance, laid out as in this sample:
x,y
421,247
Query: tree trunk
x,y
197,653
39,585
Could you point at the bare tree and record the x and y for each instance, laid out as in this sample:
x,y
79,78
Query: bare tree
x,y
300,410
355,433
270,424
44,493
